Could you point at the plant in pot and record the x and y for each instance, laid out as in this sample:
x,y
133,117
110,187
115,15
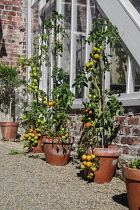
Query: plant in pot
x,y
131,173
101,108
34,110
56,141
10,79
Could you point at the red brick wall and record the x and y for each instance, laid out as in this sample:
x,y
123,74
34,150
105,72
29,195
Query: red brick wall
x,y
13,27
128,137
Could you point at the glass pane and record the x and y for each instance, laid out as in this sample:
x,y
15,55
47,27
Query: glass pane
x,y
81,18
67,15
136,4
137,80
81,2
118,70
66,56
80,59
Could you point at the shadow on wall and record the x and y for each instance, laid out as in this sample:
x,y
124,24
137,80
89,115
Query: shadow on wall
x,y
2,43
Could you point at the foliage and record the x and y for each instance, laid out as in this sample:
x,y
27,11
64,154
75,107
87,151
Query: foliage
x,y
10,78
100,109
62,98
42,116
135,164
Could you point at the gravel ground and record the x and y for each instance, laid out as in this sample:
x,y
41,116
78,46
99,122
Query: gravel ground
x,y
28,182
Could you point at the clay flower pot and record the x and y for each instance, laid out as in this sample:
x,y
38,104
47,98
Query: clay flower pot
x,y
38,148
107,164
132,180
9,130
55,153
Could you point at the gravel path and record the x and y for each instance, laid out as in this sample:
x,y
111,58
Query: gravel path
x,y
28,182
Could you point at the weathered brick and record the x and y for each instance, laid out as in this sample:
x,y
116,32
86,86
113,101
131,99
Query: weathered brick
x,y
136,141
133,121
120,119
125,150
136,131
127,131
127,140
17,18
1,6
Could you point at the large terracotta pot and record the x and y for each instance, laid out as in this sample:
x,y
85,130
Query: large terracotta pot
x,y
107,164
132,180
9,130
54,152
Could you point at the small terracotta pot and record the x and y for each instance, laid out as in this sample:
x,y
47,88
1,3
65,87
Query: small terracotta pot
x,y
9,130
107,164
38,148
132,180
54,152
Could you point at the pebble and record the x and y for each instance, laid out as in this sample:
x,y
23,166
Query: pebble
x,y
28,182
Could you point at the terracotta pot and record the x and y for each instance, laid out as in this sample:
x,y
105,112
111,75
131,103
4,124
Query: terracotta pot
x,y
132,180
9,130
107,164
38,148
54,152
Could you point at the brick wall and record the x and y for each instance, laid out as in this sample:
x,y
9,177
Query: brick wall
x,y
128,136
13,27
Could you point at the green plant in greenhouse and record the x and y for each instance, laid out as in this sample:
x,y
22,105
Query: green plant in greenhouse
x,y
102,107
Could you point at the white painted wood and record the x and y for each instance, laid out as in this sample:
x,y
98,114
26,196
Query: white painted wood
x,y
73,44
123,15
130,77
34,3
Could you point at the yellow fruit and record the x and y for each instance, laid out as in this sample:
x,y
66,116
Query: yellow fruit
x,y
35,74
87,65
42,122
84,157
85,163
35,80
32,135
91,63
24,117
38,121
38,128
63,137
26,135
93,169
96,56
82,167
50,103
101,47
88,157
36,137
34,100
30,130
93,156
44,97
95,49
44,102
89,164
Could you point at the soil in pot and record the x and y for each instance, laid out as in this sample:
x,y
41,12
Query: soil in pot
x,y
56,153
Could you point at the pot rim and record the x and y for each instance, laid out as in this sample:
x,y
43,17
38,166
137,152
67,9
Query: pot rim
x,y
131,173
110,152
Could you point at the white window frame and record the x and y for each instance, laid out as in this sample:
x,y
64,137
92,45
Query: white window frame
x,y
130,98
